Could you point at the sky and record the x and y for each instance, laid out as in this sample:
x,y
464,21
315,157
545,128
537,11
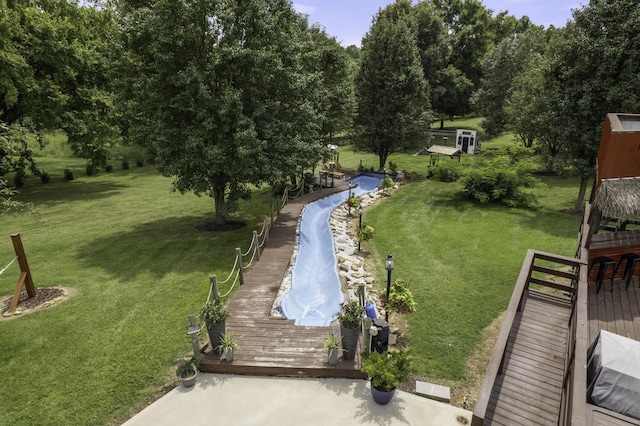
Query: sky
x,y
349,20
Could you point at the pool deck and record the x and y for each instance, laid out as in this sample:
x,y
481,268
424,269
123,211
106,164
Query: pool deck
x,y
275,346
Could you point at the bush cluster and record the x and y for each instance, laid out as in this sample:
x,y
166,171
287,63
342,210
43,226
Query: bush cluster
x,y
501,180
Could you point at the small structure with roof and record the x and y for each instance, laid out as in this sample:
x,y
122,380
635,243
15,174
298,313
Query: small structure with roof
x,y
441,150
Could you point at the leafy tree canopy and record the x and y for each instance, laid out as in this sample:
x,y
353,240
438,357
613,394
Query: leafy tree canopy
x,y
225,93
392,93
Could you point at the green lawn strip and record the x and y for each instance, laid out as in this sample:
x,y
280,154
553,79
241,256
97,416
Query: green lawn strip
x,y
462,260
130,248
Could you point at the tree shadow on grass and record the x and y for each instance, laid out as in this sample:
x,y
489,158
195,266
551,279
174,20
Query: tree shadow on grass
x,y
68,192
170,245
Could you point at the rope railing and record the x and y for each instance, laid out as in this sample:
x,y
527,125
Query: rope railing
x,y
258,241
7,267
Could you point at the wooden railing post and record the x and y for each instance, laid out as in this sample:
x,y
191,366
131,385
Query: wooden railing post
x,y
271,214
239,254
214,287
255,237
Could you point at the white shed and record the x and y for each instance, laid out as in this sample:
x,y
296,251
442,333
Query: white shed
x,y
467,141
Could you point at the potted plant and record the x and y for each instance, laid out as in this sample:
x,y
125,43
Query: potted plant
x,y
332,346
350,318
214,316
386,371
187,370
400,299
228,344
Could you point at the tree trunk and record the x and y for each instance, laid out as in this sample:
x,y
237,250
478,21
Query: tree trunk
x,y
442,123
219,202
583,190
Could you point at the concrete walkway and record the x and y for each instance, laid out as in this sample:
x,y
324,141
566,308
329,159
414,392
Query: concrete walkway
x,y
286,401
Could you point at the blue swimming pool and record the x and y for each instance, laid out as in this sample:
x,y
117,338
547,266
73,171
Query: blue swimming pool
x,y
315,294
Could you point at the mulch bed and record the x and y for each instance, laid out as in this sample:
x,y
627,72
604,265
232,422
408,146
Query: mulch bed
x,y
45,297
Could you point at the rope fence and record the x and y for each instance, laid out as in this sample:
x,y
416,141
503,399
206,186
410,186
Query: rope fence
x,y
258,242
7,267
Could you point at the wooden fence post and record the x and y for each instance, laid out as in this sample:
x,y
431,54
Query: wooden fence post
x,y
214,287
239,254
255,237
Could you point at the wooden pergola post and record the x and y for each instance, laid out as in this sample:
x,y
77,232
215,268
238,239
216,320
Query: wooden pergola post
x,y
25,273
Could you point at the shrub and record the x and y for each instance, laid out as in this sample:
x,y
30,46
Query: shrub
x,y
139,162
91,170
44,177
68,175
400,299
366,232
501,180
387,183
108,168
447,171
353,201
393,166
18,180
125,165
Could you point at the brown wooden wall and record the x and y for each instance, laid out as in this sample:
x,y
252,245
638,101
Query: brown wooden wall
x,y
619,152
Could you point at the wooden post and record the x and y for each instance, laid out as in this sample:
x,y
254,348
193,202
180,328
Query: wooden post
x,y
239,254
214,287
255,237
25,274
24,265
271,214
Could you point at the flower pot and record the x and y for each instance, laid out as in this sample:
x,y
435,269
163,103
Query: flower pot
x,y
188,379
333,356
215,334
382,397
228,354
350,337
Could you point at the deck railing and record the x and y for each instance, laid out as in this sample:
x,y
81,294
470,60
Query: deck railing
x,y
530,273
573,408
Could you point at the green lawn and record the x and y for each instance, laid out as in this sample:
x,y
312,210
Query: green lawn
x,y
130,248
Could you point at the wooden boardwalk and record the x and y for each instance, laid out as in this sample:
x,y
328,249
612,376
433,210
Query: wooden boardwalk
x,y
273,346
529,390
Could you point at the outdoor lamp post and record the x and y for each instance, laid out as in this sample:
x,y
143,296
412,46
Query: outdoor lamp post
x,y
359,226
389,261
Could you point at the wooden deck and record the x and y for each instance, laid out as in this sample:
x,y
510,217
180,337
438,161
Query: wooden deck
x,y
272,346
617,310
529,389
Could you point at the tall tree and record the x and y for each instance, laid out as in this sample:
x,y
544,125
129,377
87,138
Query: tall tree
x,y
595,70
224,94
510,58
54,72
335,69
449,87
392,94
471,37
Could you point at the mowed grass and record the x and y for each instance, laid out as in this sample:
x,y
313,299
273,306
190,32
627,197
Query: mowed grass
x,y
462,260
130,249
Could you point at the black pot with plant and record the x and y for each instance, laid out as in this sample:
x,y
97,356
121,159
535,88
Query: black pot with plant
x,y
214,316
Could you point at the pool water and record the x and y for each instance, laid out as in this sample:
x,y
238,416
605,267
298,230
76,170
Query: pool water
x,y
316,295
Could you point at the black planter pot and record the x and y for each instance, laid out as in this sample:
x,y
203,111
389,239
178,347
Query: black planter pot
x,y
350,337
215,334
